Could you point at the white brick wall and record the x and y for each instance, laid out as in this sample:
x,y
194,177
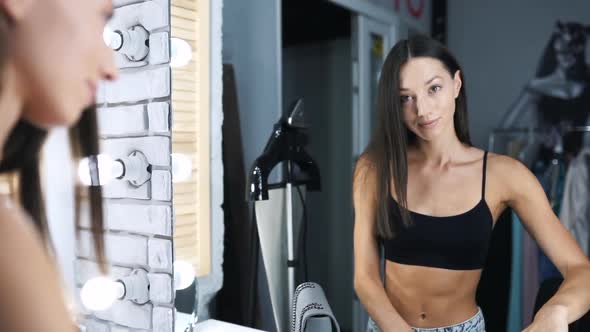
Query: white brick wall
x,y
136,120
134,114
146,219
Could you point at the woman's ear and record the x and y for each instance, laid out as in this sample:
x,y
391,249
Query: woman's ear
x,y
15,10
457,83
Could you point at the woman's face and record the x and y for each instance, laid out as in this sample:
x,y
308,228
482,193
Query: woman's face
x,y
427,96
59,55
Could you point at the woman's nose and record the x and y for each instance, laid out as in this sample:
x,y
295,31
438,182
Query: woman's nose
x,y
422,106
109,70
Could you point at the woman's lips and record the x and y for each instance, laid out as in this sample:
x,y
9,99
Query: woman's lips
x,y
430,124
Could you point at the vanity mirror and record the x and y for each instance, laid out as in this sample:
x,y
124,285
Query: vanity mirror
x,y
155,171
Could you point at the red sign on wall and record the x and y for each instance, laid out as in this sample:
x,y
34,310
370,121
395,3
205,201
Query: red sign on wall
x,y
415,7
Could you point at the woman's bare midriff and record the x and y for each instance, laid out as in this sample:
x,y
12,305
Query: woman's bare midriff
x,y
429,297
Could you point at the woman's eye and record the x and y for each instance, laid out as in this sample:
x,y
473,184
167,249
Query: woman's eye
x,y
435,88
404,99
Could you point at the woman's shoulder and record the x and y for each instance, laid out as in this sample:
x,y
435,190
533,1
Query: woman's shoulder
x,y
364,168
507,165
12,216
364,181
507,176
19,236
25,261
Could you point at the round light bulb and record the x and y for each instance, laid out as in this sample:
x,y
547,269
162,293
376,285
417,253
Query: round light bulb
x,y
99,293
184,274
181,167
113,39
106,35
180,53
105,170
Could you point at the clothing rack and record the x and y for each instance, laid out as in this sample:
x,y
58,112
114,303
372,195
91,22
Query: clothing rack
x,y
521,290
563,130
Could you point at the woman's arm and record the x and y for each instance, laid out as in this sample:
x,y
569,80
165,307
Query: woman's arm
x,y
30,292
528,199
367,281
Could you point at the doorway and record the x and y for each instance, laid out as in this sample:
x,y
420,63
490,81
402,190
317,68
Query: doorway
x,y
317,55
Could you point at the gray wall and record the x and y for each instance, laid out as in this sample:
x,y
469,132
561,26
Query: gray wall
x,y
251,42
251,38
321,74
499,44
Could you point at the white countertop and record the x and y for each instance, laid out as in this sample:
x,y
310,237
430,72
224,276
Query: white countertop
x,y
212,325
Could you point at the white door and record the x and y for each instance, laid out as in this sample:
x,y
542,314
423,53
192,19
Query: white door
x,y
371,41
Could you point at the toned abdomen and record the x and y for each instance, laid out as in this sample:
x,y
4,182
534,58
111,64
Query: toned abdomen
x,y
431,297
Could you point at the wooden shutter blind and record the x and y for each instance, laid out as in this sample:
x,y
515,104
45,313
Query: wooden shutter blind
x,y
190,134
8,185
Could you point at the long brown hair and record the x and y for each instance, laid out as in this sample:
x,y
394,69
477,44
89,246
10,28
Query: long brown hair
x,y
387,150
22,152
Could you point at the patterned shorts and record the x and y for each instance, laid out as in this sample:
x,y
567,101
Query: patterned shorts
x,y
473,324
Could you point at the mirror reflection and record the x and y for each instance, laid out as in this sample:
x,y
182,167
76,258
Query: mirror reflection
x,y
336,165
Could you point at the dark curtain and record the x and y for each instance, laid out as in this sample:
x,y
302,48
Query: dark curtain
x,y
234,303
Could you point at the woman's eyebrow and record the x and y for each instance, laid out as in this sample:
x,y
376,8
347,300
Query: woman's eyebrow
x,y
426,83
432,79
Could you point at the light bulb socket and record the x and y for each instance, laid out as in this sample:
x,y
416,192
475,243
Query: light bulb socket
x,y
116,46
121,289
122,169
136,169
134,43
136,287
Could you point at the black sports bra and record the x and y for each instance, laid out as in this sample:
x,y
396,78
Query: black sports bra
x,y
458,242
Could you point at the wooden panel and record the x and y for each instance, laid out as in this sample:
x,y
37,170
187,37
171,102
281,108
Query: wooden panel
x,y
177,11
184,85
8,185
188,4
184,137
190,134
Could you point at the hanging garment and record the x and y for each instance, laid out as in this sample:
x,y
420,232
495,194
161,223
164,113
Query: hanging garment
x,y
575,210
530,266
510,230
516,149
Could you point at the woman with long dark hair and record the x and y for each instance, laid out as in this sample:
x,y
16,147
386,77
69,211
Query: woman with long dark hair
x,y
431,199
52,55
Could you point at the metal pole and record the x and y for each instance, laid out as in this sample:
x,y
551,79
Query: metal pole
x,y
290,246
